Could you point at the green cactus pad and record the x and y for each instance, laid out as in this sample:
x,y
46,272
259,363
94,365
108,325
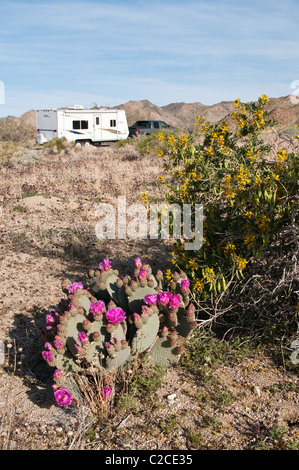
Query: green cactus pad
x,y
123,298
162,354
145,336
93,353
120,358
100,294
84,301
66,363
73,327
120,332
112,288
136,300
98,327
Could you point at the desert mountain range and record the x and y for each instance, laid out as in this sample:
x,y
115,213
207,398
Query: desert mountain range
x,y
183,115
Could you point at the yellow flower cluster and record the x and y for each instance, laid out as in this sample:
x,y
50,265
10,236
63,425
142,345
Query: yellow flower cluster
x,y
243,177
210,151
264,99
209,274
240,262
248,214
263,223
168,275
161,137
144,198
251,123
199,120
275,176
229,248
229,192
171,139
250,155
198,285
259,118
184,139
192,264
258,181
281,160
237,103
183,191
195,176
249,240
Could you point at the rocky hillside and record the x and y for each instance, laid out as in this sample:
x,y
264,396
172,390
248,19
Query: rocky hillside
x,y
184,114
178,114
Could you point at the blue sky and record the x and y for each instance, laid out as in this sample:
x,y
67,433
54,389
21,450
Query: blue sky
x,y
84,52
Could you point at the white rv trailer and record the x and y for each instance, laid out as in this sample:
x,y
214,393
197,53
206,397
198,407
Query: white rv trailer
x,y
82,126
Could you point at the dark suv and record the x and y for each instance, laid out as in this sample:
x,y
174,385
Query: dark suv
x,y
146,127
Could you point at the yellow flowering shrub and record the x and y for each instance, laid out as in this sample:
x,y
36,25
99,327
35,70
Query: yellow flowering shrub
x,y
247,197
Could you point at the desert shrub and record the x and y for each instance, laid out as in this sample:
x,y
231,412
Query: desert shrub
x,y
148,144
249,196
8,151
151,144
124,142
15,130
59,145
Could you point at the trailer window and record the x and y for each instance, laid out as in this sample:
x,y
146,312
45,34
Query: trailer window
x,y
80,124
112,123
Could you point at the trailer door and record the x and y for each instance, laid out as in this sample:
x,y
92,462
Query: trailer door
x,y
97,127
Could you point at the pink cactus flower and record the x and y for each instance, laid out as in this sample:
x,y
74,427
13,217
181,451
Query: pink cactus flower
x,y
82,338
52,319
151,299
63,397
71,305
75,286
105,265
49,346
185,284
47,356
58,342
174,301
142,275
106,393
115,315
97,308
164,298
78,349
138,263
57,374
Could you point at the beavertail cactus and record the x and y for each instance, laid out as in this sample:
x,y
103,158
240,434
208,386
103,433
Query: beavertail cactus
x,y
107,322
